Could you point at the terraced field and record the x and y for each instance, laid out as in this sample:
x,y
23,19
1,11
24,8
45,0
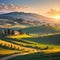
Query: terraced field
x,y
35,43
11,46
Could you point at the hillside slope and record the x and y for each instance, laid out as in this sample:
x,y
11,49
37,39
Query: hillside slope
x,y
28,17
52,40
39,30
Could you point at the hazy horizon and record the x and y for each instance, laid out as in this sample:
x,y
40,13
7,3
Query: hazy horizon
x,y
49,8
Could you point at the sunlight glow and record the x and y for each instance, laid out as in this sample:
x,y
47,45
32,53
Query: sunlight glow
x,y
57,17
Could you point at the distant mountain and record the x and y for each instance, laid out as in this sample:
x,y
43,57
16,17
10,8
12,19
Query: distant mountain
x,y
26,16
16,16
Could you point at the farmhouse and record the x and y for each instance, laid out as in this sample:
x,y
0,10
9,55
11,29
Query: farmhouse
x,y
16,32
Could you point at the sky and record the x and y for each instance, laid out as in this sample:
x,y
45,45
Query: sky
x,y
43,7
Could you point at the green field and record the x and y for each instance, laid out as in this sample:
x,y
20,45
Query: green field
x,y
37,42
40,30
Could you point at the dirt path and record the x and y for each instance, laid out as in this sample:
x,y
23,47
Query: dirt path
x,y
18,54
11,56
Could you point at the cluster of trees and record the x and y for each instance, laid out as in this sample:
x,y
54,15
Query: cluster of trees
x,y
10,32
7,31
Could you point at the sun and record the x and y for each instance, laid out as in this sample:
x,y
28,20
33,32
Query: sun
x,y
56,17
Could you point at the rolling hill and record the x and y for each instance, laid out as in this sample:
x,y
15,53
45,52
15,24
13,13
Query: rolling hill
x,y
28,42
40,30
27,18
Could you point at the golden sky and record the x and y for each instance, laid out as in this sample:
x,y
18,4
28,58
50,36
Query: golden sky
x,y
42,7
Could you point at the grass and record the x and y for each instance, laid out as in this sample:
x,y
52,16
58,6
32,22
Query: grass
x,y
7,51
40,30
19,36
38,56
52,39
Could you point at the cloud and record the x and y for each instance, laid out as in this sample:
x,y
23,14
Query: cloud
x,y
53,12
12,7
